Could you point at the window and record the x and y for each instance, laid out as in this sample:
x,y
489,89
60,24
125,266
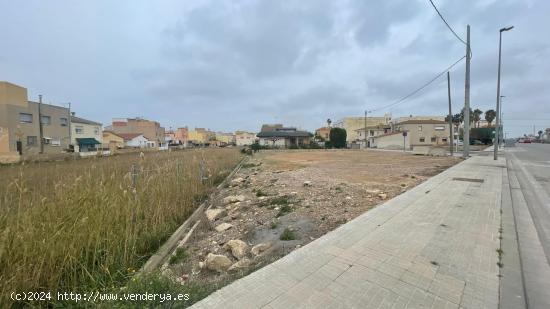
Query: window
x,y
32,140
46,140
47,120
79,129
419,128
422,140
96,130
55,142
433,139
64,122
25,118
444,139
439,128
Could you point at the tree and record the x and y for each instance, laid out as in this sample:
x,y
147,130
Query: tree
x,y
540,134
471,115
338,137
490,115
329,122
477,116
455,119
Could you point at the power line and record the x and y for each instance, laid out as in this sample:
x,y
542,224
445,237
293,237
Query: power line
x,y
418,89
448,26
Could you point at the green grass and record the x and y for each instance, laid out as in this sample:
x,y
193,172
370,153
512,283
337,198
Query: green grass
x,y
179,256
80,225
287,235
274,225
284,210
260,193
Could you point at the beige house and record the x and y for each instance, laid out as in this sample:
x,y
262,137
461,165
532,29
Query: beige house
x,y
112,141
86,135
243,138
201,136
372,132
225,138
353,124
31,127
428,132
151,130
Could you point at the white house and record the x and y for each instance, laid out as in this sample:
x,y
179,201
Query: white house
x,y
136,140
243,138
86,135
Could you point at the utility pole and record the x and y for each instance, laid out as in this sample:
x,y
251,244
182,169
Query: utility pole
x,y
366,130
497,129
466,144
69,125
40,128
450,113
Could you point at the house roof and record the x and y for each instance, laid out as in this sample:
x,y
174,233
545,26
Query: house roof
x,y
284,133
129,136
84,121
87,141
423,121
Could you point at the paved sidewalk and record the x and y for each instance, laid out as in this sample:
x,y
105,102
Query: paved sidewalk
x,y
434,246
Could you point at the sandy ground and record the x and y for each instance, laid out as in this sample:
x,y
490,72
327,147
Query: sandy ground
x,y
308,193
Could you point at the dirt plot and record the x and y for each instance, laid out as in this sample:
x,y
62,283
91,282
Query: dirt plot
x,y
281,200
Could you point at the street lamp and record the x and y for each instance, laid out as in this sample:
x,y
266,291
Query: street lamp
x,y
497,129
501,116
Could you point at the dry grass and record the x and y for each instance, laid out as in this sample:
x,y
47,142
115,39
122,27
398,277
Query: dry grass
x,y
80,225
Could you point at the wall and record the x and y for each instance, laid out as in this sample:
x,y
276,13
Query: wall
x,y
56,131
393,141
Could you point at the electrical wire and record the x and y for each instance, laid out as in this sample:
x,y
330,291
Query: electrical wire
x,y
446,23
418,89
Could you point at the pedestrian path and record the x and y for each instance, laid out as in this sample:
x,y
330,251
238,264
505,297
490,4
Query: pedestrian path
x,y
434,246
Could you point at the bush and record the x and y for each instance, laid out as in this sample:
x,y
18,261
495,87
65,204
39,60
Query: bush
x,y
338,137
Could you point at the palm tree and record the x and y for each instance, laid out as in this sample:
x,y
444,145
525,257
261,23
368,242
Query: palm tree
x,y
329,122
477,116
490,115
471,115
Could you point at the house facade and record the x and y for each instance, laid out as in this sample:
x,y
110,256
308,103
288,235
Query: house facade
x,y
201,136
225,138
112,141
86,135
283,137
352,124
324,133
31,127
243,138
428,132
150,129
372,132
136,140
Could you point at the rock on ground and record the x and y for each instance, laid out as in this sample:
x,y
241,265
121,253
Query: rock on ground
x,y
238,248
215,213
217,262
223,226
244,263
260,248
234,199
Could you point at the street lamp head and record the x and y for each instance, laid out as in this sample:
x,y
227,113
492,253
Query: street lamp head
x,y
507,29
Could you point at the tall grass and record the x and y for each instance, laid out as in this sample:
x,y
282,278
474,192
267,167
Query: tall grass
x,y
83,225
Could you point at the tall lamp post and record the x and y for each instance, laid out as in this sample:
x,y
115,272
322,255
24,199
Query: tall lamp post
x,y
497,129
501,127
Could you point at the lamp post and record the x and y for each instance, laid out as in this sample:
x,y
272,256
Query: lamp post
x,y
501,127
497,129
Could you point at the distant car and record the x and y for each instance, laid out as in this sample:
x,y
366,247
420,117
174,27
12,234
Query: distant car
x,y
524,141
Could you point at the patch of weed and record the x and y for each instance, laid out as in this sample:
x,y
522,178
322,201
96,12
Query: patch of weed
x,y
284,210
180,256
287,235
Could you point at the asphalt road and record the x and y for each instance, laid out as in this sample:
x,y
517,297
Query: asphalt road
x,y
533,171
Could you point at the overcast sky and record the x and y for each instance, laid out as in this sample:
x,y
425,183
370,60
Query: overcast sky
x,y
228,65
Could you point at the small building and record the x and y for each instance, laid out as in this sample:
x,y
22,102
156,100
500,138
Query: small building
x,y
281,137
426,132
323,133
372,132
86,135
243,138
392,140
137,140
201,136
112,141
352,124
150,129
225,139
